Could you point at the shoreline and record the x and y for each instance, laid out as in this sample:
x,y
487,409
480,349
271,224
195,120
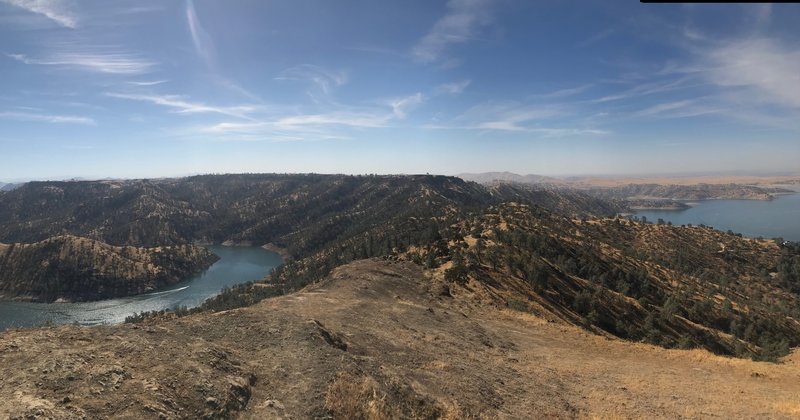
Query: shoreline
x,y
283,252
635,209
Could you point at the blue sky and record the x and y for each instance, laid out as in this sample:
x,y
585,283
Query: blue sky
x,y
101,88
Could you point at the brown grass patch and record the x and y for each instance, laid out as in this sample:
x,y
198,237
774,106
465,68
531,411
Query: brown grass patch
x,y
355,397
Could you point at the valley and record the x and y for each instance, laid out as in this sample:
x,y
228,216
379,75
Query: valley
x,y
387,278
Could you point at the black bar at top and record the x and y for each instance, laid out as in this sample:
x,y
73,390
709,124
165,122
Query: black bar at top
x,y
716,1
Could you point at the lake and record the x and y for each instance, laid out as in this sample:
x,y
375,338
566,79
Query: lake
x,y
236,265
769,219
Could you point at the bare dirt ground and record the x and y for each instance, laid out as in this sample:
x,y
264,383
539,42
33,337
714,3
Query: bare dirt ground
x,y
378,339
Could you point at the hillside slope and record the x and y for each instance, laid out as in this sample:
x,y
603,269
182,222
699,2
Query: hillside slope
x,y
301,212
79,269
377,338
676,286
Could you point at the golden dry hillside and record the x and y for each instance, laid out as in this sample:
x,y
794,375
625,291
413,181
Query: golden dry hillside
x,y
674,286
377,339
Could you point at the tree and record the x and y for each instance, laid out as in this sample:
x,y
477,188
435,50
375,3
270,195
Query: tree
x,y
480,246
494,257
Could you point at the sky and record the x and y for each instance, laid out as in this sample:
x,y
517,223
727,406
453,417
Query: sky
x,y
98,88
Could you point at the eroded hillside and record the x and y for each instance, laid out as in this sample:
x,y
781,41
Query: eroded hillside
x,y
377,339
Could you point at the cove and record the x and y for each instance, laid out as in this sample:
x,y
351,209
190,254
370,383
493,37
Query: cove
x,y
236,265
770,219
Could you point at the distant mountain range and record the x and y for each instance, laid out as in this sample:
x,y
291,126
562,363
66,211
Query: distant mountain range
x,y
8,187
634,190
492,177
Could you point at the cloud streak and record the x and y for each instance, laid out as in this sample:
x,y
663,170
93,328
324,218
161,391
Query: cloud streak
x,y
46,118
111,63
182,106
200,38
462,23
401,105
147,82
765,69
55,10
324,80
301,127
453,88
518,118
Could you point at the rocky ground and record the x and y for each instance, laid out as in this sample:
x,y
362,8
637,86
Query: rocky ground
x,y
378,339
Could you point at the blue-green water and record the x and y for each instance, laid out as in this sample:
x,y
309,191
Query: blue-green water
x,y
236,265
769,219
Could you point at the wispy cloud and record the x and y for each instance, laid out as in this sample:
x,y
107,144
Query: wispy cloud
x,y
235,87
401,105
544,121
351,119
568,132
544,132
506,116
147,82
55,10
682,109
453,88
54,119
563,93
650,88
594,39
114,63
767,71
462,23
751,79
665,107
182,106
301,127
200,38
324,80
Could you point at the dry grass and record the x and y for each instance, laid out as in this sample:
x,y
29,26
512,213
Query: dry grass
x,y
363,398
356,397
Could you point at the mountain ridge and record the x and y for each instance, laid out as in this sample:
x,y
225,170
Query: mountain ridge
x,y
261,208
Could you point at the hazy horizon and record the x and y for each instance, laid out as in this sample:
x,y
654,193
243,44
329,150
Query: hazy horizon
x,y
675,175
147,89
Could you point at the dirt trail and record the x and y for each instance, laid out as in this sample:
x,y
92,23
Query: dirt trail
x,y
375,338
